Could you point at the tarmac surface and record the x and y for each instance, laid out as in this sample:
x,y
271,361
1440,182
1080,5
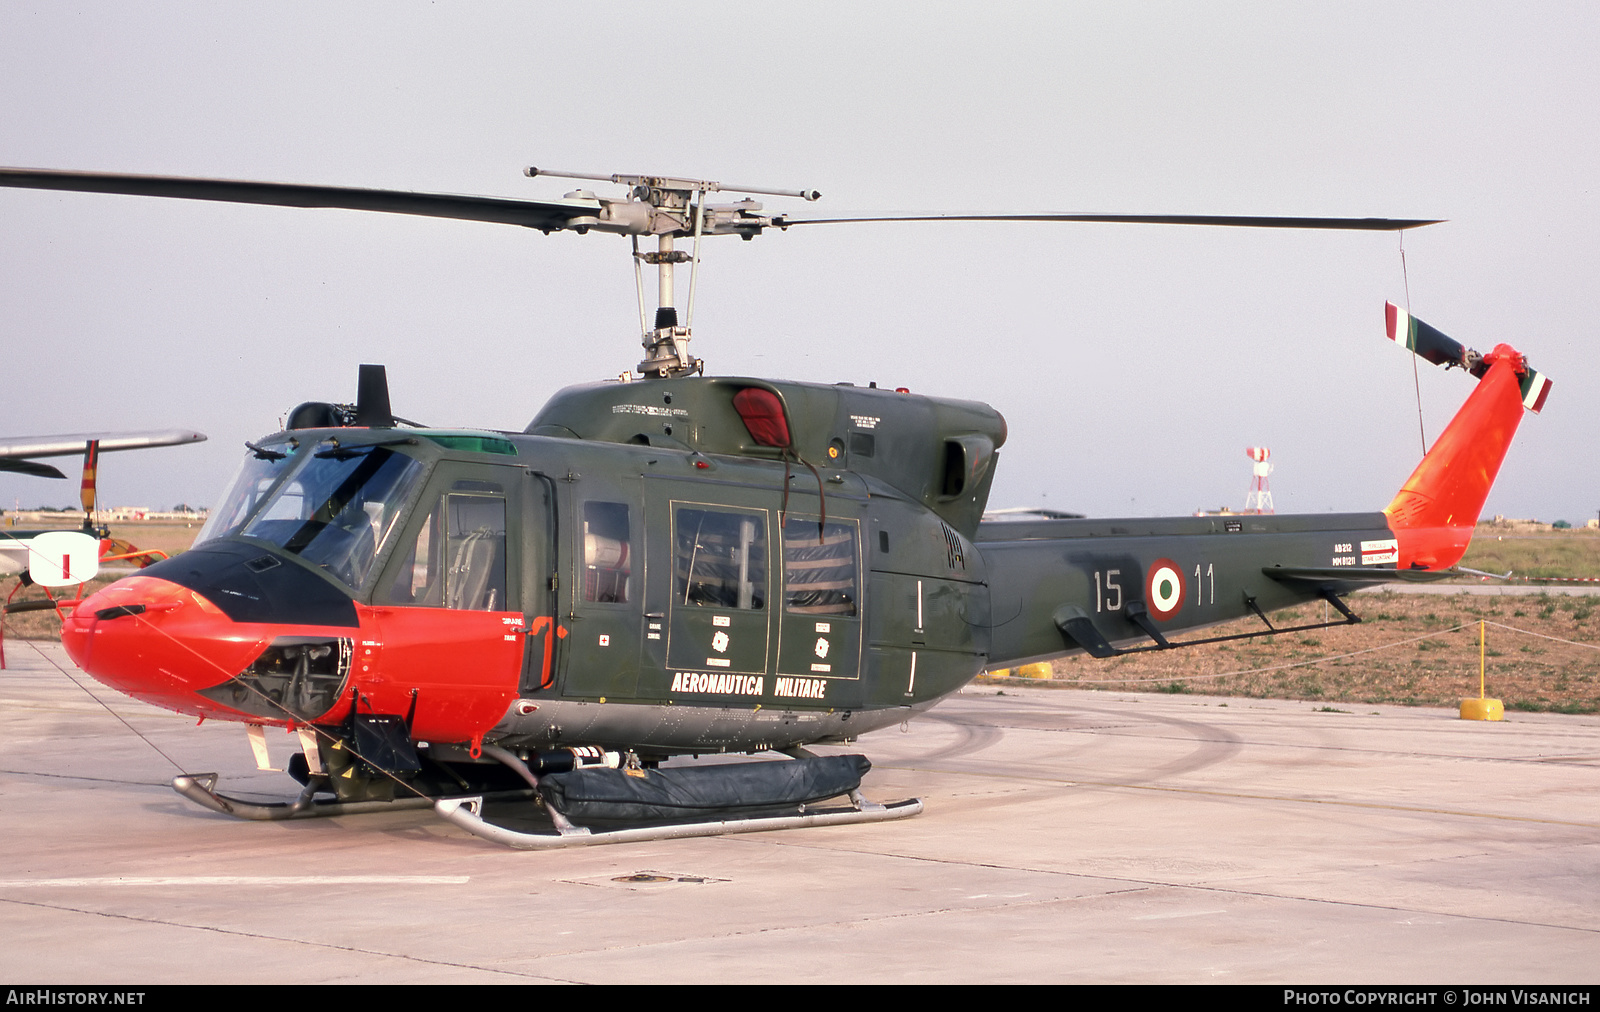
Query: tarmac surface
x,y
1069,836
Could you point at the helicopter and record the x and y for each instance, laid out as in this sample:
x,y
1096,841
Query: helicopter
x,y
677,565
19,455
53,557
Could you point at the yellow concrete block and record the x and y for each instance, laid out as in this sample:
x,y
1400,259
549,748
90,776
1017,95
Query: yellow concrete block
x,y
1482,709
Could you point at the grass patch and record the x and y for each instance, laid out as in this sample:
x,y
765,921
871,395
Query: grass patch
x,y
1534,553
1546,706
1441,669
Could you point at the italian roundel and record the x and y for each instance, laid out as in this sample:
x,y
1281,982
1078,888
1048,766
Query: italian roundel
x,y
1163,593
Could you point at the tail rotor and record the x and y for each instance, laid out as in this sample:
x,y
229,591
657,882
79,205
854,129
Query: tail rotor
x,y
1434,512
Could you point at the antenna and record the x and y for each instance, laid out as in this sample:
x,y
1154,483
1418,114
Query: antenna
x,y
1259,500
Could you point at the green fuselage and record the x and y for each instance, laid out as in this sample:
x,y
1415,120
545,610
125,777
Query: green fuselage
x,y
683,586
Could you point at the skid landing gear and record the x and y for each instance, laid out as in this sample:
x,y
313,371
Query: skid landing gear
x,y
672,803
465,813
584,807
201,789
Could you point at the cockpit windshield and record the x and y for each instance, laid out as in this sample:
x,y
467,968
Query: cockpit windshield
x,y
333,506
256,477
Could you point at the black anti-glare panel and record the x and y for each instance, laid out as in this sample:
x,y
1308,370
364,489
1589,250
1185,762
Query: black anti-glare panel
x,y
221,572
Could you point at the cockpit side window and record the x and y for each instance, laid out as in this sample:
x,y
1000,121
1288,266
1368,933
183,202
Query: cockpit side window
x,y
457,559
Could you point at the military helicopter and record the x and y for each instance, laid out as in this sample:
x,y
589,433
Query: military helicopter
x,y
682,565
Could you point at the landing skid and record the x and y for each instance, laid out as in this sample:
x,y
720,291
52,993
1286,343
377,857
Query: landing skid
x,y
466,813
201,789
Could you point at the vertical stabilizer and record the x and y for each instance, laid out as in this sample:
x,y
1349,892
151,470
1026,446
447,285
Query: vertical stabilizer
x,y
1435,510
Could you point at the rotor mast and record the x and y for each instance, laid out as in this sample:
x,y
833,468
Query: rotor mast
x,y
671,208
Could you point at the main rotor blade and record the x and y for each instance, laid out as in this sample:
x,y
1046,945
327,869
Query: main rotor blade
x,y
541,214
1241,221
30,467
549,215
15,447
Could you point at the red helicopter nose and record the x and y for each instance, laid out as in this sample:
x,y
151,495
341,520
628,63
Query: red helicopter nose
x,y
227,632
159,642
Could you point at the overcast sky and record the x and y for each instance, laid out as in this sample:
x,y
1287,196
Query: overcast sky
x,y
1133,363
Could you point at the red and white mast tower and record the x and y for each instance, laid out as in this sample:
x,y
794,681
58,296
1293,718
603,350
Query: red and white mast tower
x,y
1259,500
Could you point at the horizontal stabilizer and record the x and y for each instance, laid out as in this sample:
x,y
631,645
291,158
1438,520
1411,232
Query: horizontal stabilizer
x,y
1352,574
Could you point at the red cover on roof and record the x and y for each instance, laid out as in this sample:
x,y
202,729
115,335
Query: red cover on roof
x,y
763,415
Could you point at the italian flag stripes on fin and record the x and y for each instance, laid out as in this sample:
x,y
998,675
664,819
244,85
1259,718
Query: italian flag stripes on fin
x,y
1535,388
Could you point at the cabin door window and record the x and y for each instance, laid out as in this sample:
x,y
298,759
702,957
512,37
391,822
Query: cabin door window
x,y
720,590
821,631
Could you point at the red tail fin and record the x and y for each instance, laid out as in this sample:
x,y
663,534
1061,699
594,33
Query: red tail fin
x,y
1434,512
